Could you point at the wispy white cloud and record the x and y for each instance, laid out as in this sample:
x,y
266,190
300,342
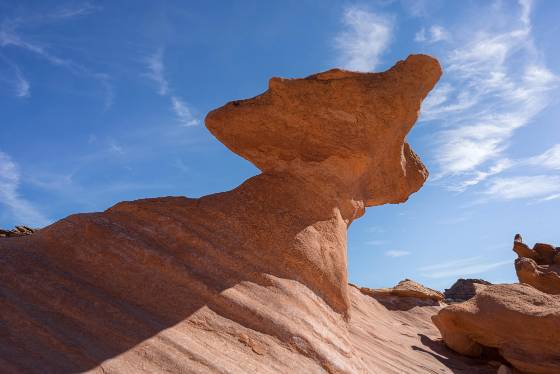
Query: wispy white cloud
x,y
156,73
74,10
365,38
550,197
12,35
549,159
115,147
21,209
481,175
376,229
496,84
377,242
445,101
397,253
15,77
183,112
433,34
526,6
451,264
461,267
417,8
23,88
109,92
545,187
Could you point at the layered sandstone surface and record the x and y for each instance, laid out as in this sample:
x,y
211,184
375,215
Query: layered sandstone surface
x,y
16,231
539,266
249,280
405,288
515,321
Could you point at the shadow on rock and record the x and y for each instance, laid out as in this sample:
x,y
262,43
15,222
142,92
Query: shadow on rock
x,y
404,303
455,362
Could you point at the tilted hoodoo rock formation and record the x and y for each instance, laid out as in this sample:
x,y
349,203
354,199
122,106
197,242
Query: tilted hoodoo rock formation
x,y
538,267
250,280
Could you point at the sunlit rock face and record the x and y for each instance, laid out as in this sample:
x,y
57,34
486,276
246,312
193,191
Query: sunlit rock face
x,y
17,231
539,266
249,280
517,320
405,288
406,295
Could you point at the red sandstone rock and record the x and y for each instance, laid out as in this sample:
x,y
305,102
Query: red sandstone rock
x,y
517,320
545,278
405,288
250,280
538,267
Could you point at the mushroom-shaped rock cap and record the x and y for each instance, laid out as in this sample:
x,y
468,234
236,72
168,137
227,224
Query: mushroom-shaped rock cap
x,y
338,124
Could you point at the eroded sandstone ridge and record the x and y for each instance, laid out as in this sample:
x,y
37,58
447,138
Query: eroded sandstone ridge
x,y
463,289
518,322
405,288
16,231
250,280
538,267
406,295
515,321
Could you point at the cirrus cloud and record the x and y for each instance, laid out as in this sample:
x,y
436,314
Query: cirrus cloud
x,y
365,37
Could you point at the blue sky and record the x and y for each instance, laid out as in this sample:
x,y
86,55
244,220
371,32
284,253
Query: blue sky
x,y
104,101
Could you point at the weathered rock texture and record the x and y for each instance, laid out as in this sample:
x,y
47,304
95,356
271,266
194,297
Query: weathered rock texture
x,y
250,280
463,289
17,231
538,267
517,320
405,295
405,288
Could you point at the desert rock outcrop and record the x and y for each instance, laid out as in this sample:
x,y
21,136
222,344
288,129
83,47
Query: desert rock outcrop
x,y
405,288
17,231
406,295
538,267
516,320
463,289
249,280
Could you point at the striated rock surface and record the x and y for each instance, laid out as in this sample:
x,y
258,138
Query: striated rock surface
x,y
17,231
405,288
463,289
249,280
539,266
406,295
516,320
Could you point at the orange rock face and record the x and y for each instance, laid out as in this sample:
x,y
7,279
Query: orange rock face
x,y
517,320
405,288
249,280
538,267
